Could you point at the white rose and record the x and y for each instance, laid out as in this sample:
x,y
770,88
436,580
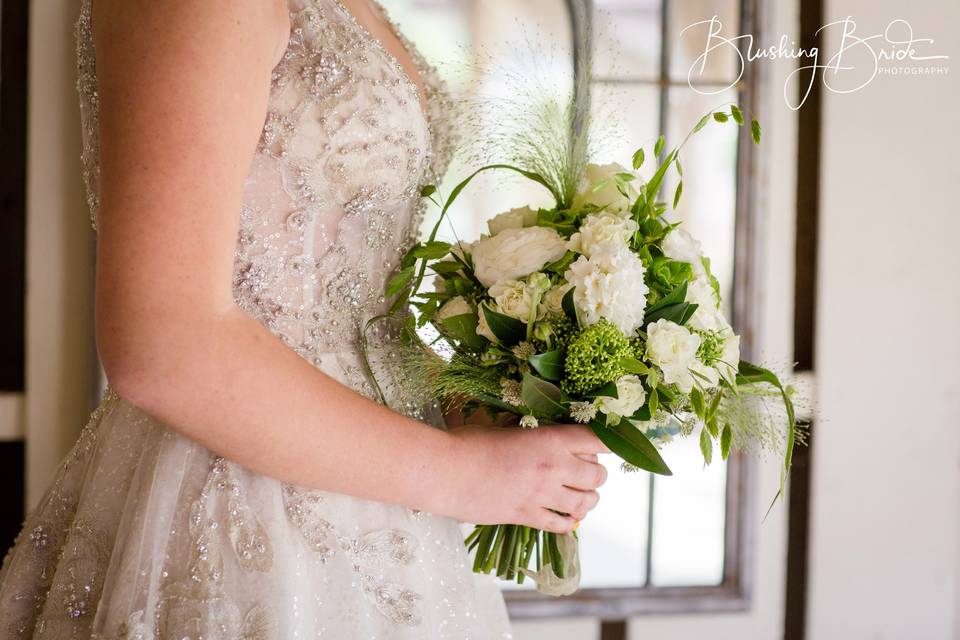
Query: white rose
x,y
513,219
701,293
673,349
457,306
516,253
608,195
630,397
683,247
483,329
603,229
514,298
553,298
610,285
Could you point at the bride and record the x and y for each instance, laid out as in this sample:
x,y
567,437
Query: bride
x,y
253,169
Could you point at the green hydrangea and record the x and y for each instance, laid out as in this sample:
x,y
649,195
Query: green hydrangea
x,y
593,357
711,347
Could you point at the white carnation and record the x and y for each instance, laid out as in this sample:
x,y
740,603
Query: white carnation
x,y
630,397
674,349
513,219
453,307
608,195
604,229
610,285
683,247
515,253
514,298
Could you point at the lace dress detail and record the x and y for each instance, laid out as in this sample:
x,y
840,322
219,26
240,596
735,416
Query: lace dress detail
x,y
145,534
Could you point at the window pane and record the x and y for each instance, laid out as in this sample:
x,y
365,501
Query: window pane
x,y
688,519
635,110
626,41
708,204
722,64
613,537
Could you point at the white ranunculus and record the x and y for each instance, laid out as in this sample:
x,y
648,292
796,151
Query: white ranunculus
x,y
514,298
516,253
683,247
457,306
513,219
483,328
630,397
610,285
553,298
603,229
674,350
608,195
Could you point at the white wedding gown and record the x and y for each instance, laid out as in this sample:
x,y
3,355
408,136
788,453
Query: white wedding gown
x,y
145,534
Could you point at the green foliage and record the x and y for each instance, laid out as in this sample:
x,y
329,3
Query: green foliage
x,y
543,398
463,328
593,357
628,442
508,330
549,365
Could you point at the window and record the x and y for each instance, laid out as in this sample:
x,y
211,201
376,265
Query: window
x,y
654,543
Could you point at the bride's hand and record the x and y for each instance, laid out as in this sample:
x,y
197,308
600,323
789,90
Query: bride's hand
x,y
525,476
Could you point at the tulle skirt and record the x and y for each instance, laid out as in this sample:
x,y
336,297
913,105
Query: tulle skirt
x,y
145,534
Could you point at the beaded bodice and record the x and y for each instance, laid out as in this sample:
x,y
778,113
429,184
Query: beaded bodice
x,y
331,202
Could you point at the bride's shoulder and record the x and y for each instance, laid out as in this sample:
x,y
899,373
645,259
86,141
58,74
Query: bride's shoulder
x,y
253,26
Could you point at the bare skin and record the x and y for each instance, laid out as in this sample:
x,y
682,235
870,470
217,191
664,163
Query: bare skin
x,y
183,89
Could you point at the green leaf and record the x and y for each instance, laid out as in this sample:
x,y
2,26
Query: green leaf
x,y
638,158
445,267
696,401
560,266
428,191
720,116
676,194
569,307
737,114
676,296
541,397
706,446
632,365
726,440
631,445
755,131
679,167
399,281
463,328
653,402
702,123
549,364
509,331
432,250
678,313
609,390
658,147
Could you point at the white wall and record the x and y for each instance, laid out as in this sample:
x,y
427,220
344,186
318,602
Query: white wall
x,y
885,556
59,256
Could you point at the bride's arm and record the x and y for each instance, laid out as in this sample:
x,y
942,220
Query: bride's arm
x,y
183,93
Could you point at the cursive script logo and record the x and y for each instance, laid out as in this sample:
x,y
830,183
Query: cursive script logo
x,y
856,63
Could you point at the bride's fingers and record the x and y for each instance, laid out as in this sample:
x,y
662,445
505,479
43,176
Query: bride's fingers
x,y
585,475
573,502
547,520
589,457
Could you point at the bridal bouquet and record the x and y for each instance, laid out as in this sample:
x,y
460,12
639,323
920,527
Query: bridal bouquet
x,y
598,310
